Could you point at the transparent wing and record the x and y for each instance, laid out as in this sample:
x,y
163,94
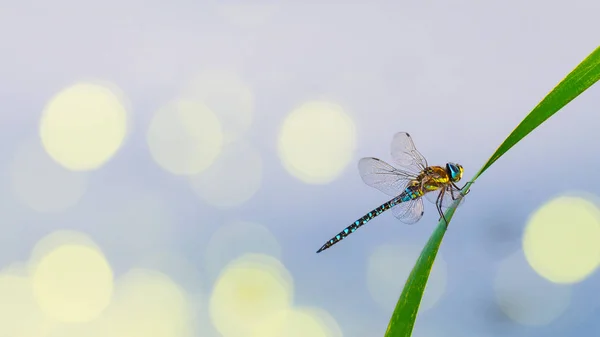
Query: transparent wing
x,y
409,212
448,198
405,154
383,176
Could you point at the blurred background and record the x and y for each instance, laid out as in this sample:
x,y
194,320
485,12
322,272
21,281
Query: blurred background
x,y
170,168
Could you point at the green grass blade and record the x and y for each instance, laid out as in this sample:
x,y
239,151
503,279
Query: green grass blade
x,y
405,313
581,78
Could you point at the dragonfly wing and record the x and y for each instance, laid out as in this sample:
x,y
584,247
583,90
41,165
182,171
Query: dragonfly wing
x,y
432,196
383,176
405,153
447,199
409,212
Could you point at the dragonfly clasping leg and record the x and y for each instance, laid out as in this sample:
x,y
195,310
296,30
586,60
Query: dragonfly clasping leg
x,y
462,188
452,194
438,204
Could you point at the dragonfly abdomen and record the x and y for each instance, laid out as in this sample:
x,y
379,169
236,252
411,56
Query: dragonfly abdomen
x,y
358,223
411,192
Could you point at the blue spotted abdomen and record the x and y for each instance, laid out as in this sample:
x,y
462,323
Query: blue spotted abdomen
x,y
411,192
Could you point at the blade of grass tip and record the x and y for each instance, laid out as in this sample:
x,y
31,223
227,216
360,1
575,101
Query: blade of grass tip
x,y
580,79
403,319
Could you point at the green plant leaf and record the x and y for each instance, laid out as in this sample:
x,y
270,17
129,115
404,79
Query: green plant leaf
x,y
580,79
405,313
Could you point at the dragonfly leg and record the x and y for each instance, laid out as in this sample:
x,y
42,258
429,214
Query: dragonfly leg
x,y
438,204
452,194
461,188
472,182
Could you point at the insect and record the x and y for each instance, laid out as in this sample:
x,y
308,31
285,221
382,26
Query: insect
x,y
407,186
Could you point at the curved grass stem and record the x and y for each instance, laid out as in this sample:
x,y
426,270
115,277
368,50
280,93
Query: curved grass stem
x,y
580,79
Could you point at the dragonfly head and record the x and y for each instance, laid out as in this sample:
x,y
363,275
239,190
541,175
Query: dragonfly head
x,y
455,171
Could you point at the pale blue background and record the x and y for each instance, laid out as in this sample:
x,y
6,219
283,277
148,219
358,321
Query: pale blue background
x,y
459,76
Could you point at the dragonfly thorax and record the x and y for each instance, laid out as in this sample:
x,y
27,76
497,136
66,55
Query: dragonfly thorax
x,y
432,179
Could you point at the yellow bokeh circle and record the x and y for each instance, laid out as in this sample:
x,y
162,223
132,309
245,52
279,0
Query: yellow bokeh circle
x,y
250,289
54,240
561,240
297,322
73,283
235,239
225,93
149,303
185,137
83,126
317,141
20,313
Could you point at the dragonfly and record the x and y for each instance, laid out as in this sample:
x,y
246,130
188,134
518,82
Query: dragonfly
x,y
407,185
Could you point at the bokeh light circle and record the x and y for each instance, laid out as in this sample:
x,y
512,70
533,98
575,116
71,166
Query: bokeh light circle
x,y
385,283
73,283
188,278
54,240
233,179
235,239
149,303
20,313
83,126
185,137
226,94
525,297
42,184
250,289
317,141
297,322
561,240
